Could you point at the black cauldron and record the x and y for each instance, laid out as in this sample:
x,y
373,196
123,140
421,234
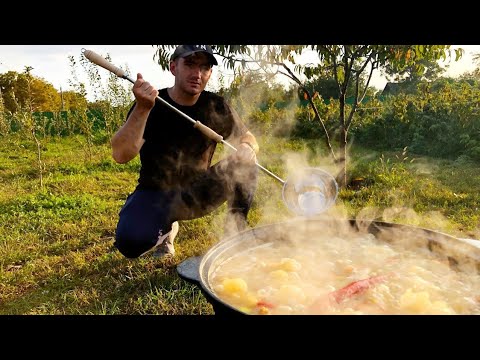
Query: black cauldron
x,y
462,256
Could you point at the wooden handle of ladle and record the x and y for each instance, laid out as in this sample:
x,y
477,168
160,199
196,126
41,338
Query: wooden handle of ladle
x,y
100,61
205,130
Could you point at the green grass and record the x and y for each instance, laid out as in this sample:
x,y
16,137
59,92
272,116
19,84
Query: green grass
x,y
56,253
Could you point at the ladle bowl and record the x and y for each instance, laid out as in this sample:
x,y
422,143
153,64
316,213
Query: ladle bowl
x,y
309,191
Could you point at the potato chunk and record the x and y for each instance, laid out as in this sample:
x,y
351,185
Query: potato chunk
x,y
234,285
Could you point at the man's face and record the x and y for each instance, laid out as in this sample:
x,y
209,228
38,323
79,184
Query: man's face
x,y
192,73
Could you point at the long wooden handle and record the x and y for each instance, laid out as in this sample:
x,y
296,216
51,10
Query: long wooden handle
x,y
205,130
100,61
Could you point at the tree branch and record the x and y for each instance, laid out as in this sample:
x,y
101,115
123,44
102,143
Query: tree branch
x,y
357,90
315,110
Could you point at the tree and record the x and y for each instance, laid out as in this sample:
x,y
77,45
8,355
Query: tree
x,y
475,74
7,86
326,86
347,64
24,90
46,97
422,70
74,101
413,75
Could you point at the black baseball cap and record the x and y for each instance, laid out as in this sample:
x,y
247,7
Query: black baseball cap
x,y
186,50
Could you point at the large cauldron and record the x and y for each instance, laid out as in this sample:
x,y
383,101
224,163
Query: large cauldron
x,y
461,255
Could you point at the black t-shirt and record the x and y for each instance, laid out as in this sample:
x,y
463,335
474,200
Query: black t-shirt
x,y
174,151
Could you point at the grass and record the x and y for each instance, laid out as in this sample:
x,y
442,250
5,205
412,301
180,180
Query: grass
x,y
56,253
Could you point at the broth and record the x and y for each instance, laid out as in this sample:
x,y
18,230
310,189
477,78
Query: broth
x,y
358,274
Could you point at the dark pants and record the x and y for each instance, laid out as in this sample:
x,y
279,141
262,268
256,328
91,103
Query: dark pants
x,y
150,213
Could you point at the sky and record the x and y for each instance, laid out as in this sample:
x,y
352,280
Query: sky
x,y
51,63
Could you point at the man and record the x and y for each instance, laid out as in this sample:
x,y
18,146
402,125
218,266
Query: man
x,y
177,180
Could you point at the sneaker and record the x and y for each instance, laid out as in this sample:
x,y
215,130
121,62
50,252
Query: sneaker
x,y
165,247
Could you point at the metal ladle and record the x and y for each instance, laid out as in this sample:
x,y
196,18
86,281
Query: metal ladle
x,y
307,192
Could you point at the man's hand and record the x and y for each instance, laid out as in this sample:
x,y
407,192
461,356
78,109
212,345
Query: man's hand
x,y
145,93
245,153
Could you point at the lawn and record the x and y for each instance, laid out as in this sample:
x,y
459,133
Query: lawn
x,y
56,235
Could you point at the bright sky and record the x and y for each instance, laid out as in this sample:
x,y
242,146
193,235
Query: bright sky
x,y
51,63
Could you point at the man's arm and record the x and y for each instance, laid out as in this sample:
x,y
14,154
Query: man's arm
x,y
128,140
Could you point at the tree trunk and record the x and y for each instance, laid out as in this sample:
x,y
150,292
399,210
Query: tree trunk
x,y
342,158
342,176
